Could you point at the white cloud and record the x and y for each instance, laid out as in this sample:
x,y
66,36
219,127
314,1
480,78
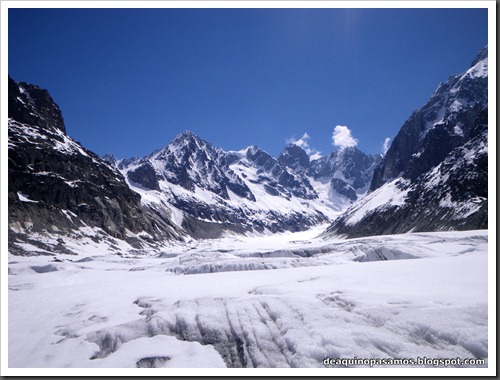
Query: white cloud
x,y
385,146
302,142
342,137
315,156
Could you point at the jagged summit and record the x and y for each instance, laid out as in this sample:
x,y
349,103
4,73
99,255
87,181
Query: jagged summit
x,y
110,159
183,146
295,157
33,105
187,135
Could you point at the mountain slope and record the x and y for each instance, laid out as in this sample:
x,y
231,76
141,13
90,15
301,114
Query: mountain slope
x,y
59,190
444,123
435,174
212,191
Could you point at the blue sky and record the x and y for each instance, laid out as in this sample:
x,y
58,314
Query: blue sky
x,y
129,80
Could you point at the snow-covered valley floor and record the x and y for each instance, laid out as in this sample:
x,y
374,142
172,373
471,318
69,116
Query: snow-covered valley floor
x,y
273,302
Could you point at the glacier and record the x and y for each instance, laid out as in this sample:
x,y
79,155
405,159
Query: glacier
x,y
280,301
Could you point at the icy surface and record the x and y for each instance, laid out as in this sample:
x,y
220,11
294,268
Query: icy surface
x,y
401,296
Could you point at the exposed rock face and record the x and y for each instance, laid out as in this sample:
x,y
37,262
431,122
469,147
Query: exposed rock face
x,y
30,104
295,157
350,171
145,175
444,123
279,179
435,174
56,186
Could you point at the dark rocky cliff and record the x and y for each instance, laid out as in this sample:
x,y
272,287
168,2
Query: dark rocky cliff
x,y
56,186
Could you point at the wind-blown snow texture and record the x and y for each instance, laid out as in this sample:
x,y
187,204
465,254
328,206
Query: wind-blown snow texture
x,y
201,305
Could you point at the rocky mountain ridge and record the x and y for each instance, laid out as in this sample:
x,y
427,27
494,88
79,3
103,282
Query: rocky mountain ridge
x,y
435,174
213,191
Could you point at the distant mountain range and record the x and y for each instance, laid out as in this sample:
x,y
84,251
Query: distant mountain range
x,y
210,191
433,177
58,190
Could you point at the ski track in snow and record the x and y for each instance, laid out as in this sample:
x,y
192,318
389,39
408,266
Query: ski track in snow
x,y
399,296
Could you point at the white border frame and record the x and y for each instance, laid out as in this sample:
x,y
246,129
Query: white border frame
x,y
490,371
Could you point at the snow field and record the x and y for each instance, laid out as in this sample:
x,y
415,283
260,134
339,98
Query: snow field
x,y
107,311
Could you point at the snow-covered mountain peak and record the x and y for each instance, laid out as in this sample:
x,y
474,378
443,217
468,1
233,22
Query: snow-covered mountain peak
x,y
111,159
187,149
251,150
294,150
457,94
211,190
295,157
188,140
186,134
480,69
186,137
345,153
